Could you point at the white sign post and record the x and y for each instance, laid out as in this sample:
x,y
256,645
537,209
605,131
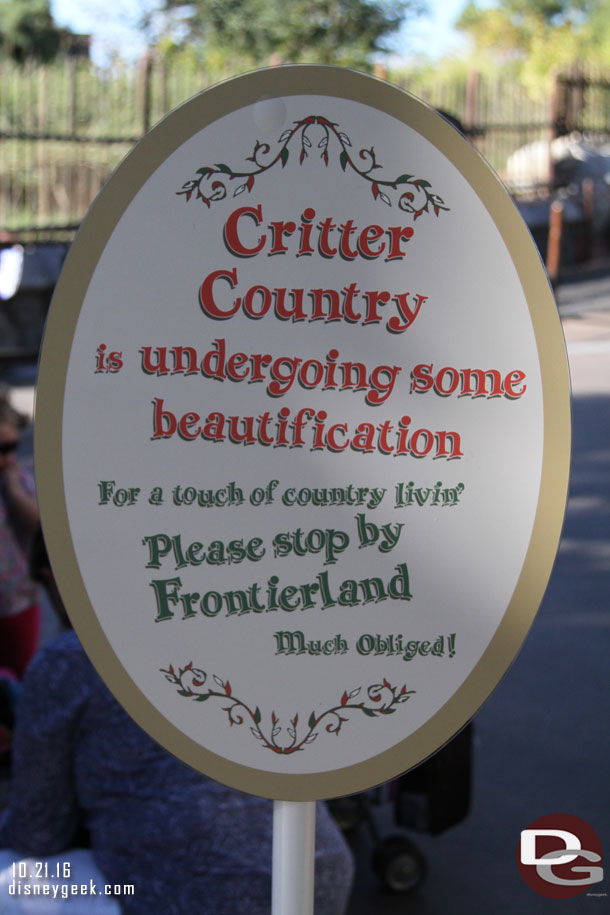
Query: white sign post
x,y
293,857
303,434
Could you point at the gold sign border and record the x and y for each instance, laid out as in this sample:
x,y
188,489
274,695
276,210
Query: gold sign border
x,y
103,216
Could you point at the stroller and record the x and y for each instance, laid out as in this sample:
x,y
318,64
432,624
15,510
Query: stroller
x,y
430,798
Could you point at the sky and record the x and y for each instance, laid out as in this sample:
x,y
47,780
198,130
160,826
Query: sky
x,y
112,23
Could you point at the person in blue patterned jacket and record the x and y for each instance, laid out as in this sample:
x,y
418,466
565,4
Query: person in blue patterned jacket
x,y
186,843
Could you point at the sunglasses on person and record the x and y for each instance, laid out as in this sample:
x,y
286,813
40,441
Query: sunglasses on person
x,y
8,447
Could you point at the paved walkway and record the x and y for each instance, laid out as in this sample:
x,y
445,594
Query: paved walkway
x,y
584,289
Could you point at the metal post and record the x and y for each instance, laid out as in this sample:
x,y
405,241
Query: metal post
x,y
293,857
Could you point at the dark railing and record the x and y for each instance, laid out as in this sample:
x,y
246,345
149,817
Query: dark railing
x,y
65,127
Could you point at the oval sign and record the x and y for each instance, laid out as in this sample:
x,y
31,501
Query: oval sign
x,y
303,432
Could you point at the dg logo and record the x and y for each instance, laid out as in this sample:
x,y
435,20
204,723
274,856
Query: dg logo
x,y
560,856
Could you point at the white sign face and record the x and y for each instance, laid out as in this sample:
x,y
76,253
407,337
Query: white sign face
x,y
312,463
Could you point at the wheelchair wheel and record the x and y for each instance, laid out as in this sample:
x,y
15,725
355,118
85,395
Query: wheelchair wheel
x,y
399,864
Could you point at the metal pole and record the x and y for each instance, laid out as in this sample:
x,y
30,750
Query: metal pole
x,y
293,857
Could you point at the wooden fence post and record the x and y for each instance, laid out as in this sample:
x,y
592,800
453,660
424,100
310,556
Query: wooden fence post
x,y
41,146
553,249
558,120
144,80
472,97
72,100
164,87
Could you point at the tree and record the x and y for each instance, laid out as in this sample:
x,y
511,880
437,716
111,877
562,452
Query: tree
x,y
324,31
542,35
27,30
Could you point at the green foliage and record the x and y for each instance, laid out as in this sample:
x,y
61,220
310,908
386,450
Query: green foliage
x,y
540,36
27,30
344,32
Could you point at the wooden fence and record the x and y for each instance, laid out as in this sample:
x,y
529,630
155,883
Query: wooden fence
x,y
64,128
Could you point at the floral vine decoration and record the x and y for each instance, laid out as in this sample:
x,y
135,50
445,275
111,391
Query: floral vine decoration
x,y
381,699
415,194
